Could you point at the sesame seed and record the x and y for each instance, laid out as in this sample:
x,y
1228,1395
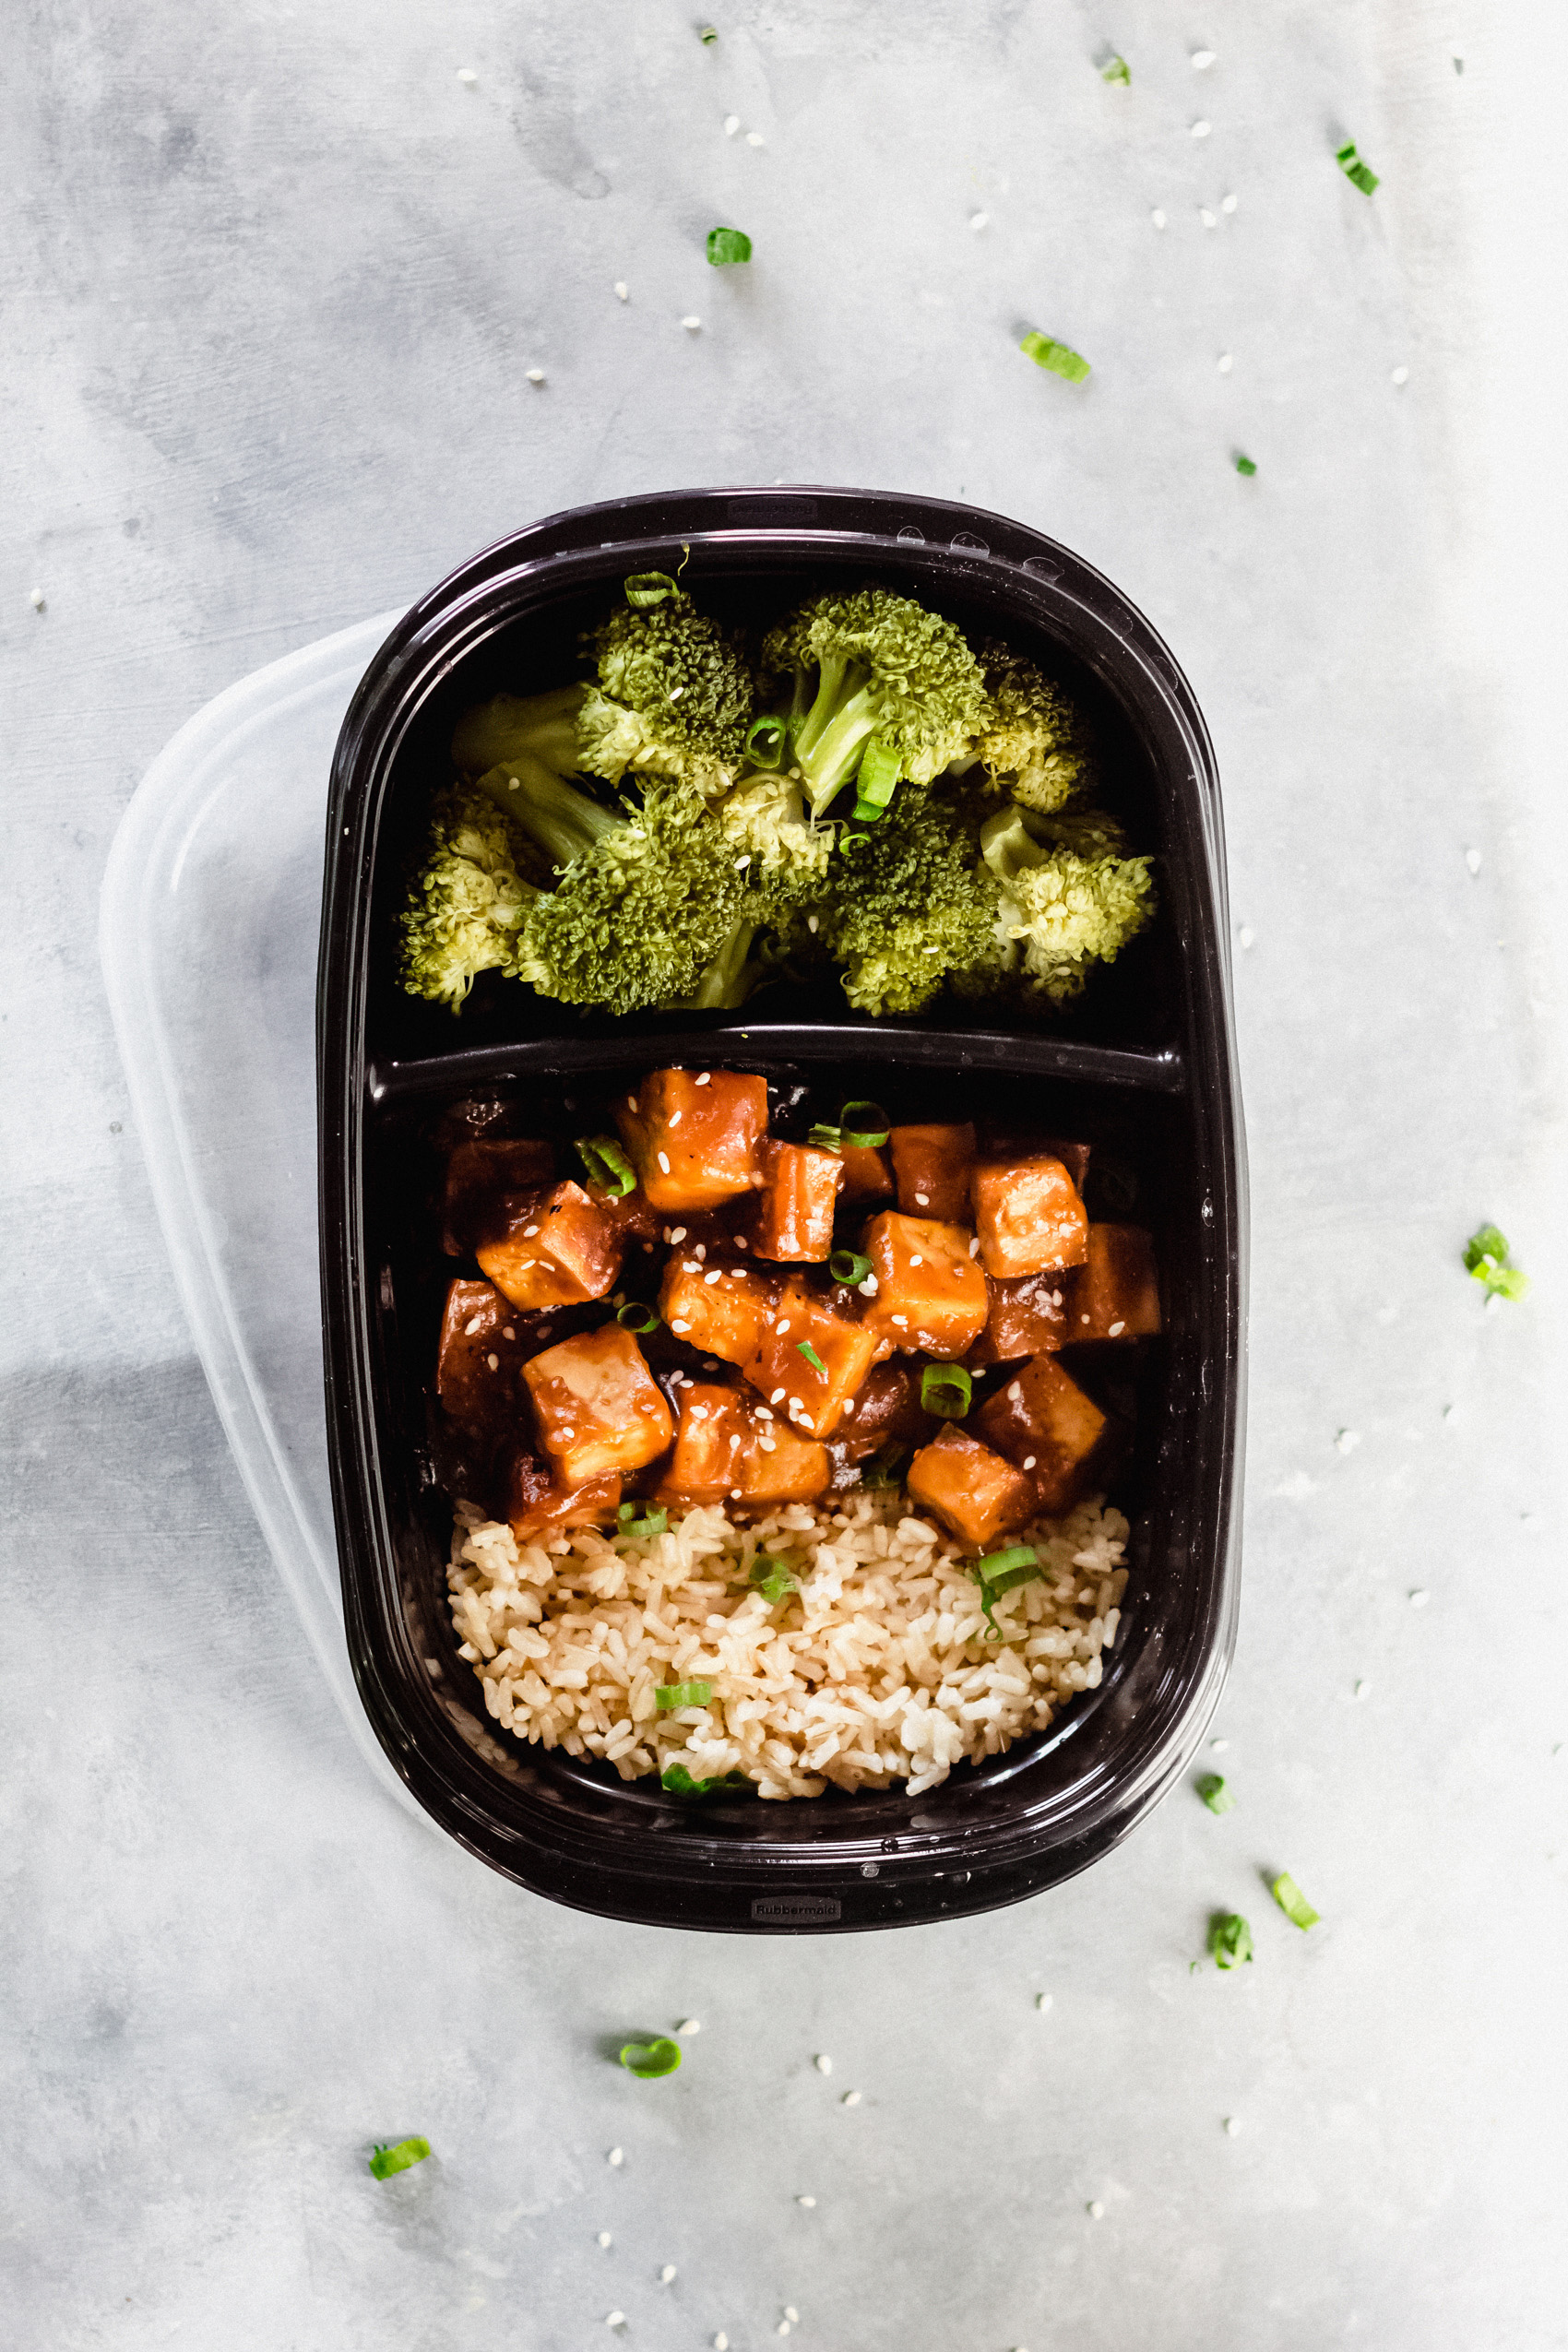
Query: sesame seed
x,y
917,1261
680,1326
1225,363
763,1414
824,2063
1202,60
721,2342
1016,1389
614,2319
674,1118
870,1287
731,125
507,1331
1420,1597
1245,936
664,1163
1219,1746
1043,2001
783,1323
679,1235
689,2026
1056,1298
691,325
742,1243
631,1102
974,1245
979,220
754,138
1232,2124
616,2155
699,1250
1201,130
605,2239
35,598
790,2313
805,2201
472,1325
850,1409
1228,203
902,1322
466,75
812,924
1210,220
1158,218
777,1397
1473,859
922,1200
851,2098
667,2273
1347,1441
536,375
494,1363
768,1444
1116,1330
783,2328
1083,1318
734,1494
621,290
1401,376
1095,2210
1029,1460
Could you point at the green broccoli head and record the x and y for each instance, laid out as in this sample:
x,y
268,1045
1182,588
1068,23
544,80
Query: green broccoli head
x,y
674,697
1033,736
1069,900
468,905
909,905
884,672
763,819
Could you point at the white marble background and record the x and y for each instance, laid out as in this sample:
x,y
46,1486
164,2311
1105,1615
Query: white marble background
x,y
273,277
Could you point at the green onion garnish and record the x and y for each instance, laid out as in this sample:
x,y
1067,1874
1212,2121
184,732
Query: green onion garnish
x,y
765,744
1359,175
865,812
847,1265
804,1347
1000,1569
1245,465
386,2160
885,1465
850,840
946,1390
728,245
649,2061
633,1315
679,1781
708,36
866,1125
651,1523
1229,1939
644,588
877,775
773,1579
1116,71
1486,1255
1215,1794
607,1165
1046,351
826,1138
682,1695
1293,1903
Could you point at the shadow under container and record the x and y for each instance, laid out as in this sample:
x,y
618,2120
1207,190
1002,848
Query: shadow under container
x,y
1143,1068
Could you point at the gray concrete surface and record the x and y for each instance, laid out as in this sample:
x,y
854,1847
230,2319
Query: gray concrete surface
x,y
274,279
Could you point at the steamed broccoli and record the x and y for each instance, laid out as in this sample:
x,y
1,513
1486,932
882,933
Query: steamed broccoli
x,y
468,905
763,819
1033,737
888,678
674,695
520,729
1069,899
910,905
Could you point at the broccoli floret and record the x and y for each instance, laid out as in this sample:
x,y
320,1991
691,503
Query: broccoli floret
x,y
763,818
1069,900
910,905
881,671
519,729
468,905
1034,736
674,696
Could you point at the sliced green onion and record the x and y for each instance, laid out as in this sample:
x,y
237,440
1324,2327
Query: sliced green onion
x,y
866,1125
826,1138
866,812
1245,465
804,1347
1229,1939
1359,175
764,743
645,589
773,1579
633,1315
386,2160
999,1564
852,840
708,36
1293,1903
649,2061
1116,71
607,1165
946,1391
996,1585
728,245
682,1695
651,1523
1485,1257
847,1265
679,1782
885,1465
1215,1794
1046,351
877,775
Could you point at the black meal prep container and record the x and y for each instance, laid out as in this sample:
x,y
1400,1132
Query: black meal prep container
x,y
1143,1068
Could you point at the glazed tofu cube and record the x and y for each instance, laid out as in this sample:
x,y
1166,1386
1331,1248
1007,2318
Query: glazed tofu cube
x,y
729,1448
932,1167
1028,1217
480,1174
1116,1290
1029,1318
479,1358
693,1135
930,1293
561,1249
1041,1421
887,1411
722,1308
975,1493
795,1206
537,1505
868,1171
597,1405
997,1144
810,1395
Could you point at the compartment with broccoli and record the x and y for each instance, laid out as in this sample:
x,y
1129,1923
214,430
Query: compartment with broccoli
x,y
860,788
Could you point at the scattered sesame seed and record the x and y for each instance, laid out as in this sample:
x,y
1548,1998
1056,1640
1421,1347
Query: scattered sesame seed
x,y
1201,130
1228,203
466,75
536,375
471,1325
1245,935
507,1331
731,125
1420,1597
631,1102
979,220
680,1326
1361,1689
922,1200
734,1494
768,1444
678,1235
824,2063
1347,1440
902,1322
1158,218
1219,1746
1232,2124
783,2328
870,1287
616,2155
1210,220
754,138
621,290
664,1162
691,325
35,598
805,2201
614,2319
790,2313
667,2273
1043,2002
974,1245
605,2239
1116,1330
721,2342
851,2098
917,1261
1225,363
1095,2209
1029,1460
703,1077
782,1325
1401,376
1202,60
1015,1392
1473,859
494,1363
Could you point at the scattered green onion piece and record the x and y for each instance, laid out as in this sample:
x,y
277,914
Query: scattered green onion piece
x,y
847,1265
651,1523
866,812
607,1165
1229,1939
877,774
645,589
826,1138
852,840
1485,1257
386,2160
1359,175
866,1125
670,1695
1047,353
725,246
1293,1903
773,1579
649,2061
708,36
764,743
946,1391
633,1315
803,1347
1116,71
679,1782
1245,465
885,1465
1006,1564
1215,1794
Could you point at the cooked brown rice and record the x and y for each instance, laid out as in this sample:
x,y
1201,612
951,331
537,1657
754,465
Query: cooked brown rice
x,y
877,1670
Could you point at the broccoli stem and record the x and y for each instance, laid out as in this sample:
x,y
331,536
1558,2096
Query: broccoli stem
x,y
563,821
727,981
832,678
831,760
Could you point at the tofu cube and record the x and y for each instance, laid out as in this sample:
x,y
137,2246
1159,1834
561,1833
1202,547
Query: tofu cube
x,y
791,1384
795,1207
1029,1318
1043,1421
563,1248
868,1171
480,1174
999,1144
728,1450
975,1493
693,1135
930,1292
1028,1217
477,1366
931,1167
1116,1290
720,1309
887,1411
597,1405
537,1505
